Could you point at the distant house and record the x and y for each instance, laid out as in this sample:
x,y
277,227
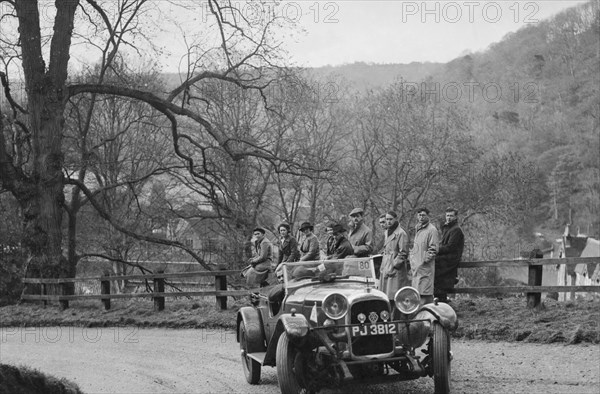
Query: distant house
x,y
190,232
204,236
588,274
520,275
577,274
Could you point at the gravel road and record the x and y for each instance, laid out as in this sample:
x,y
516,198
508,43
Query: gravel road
x,y
132,360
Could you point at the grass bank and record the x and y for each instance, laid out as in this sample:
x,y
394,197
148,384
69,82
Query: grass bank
x,y
506,319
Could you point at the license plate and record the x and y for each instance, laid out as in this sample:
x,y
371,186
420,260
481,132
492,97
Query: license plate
x,y
374,329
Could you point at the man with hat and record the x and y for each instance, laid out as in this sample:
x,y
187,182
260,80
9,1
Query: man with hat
x,y
262,257
340,247
422,255
361,236
309,248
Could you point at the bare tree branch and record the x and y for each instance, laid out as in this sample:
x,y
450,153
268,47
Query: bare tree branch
x,y
132,234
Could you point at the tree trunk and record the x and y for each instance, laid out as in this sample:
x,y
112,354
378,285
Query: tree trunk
x,y
42,206
312,216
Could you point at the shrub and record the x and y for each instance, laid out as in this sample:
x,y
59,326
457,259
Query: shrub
x,y
26,380
11,272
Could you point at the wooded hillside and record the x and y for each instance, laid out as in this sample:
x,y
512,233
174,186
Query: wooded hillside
x,y
534,94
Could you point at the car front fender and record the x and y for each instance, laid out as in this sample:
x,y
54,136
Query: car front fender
x,y
296,327
255,333
444,314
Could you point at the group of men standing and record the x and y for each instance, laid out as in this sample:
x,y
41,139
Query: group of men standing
x,y
430,264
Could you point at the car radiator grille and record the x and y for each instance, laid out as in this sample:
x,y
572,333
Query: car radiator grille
x,y
377,344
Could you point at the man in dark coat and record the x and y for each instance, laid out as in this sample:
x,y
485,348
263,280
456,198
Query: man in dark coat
x,y
381,244
449,254
338,249
361,236
340,246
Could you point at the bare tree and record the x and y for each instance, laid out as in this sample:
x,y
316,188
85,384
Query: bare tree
x,y
118,150
42,48
316,122
399,153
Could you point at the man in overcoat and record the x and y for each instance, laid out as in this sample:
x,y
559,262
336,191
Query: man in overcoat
x,y
395,270
422,255
448,256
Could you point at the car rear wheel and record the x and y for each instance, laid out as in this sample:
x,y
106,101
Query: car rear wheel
x,y
441,359
251,366
289,367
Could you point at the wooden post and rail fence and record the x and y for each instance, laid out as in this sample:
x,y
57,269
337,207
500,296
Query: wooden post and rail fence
x,y
221,293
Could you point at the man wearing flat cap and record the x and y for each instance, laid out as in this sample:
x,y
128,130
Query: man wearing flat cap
x,y
309,248
361,236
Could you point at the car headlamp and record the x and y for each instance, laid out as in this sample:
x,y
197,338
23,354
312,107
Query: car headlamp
x,y
335,306
407,300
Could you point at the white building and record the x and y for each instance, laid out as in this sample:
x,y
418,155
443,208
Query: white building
x,y
578,274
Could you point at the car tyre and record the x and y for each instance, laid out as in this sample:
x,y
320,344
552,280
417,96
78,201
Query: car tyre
x,y
250,365
441,359
286,357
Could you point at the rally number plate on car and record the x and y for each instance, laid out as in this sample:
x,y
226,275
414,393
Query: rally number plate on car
x,y
374,329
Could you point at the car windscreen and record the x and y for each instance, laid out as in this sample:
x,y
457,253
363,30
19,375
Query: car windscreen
x,y
295,274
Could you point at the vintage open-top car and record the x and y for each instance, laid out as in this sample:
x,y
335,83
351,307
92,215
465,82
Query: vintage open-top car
x,y
328,324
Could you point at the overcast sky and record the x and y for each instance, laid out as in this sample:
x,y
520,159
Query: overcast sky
x,y
375,31
371,31
390,31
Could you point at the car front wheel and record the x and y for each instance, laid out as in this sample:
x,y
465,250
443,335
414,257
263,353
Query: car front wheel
x,y
289,367
441,359
250,365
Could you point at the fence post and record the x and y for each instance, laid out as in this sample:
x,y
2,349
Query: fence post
x,y
221,284
535,279
159,287
105,289
45,292
573,280
63,289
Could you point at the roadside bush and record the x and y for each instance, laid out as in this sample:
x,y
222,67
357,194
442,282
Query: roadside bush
x,y
11,272
23,380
